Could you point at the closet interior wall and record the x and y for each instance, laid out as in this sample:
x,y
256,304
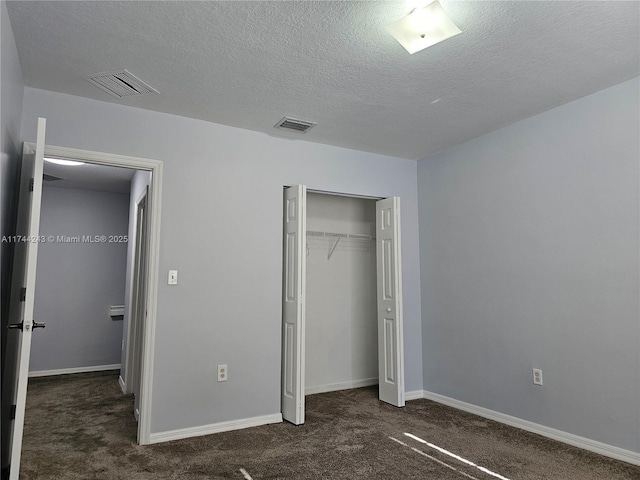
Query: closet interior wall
x,y
341,318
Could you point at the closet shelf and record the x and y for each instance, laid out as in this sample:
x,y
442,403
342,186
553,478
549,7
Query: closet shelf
x,y
353,236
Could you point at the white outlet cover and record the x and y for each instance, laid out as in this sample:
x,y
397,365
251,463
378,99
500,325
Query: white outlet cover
x,y
223,373
537,376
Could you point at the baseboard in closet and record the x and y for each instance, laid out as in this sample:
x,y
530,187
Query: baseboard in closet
x,y
66,371
413,395
333,387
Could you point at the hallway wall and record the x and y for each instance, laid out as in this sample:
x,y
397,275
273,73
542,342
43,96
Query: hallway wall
x,y
77,281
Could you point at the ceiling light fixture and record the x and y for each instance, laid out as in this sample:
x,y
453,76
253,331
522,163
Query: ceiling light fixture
x,y
61,161
423,27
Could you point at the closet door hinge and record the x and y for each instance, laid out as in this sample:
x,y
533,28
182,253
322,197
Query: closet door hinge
x,y
31,185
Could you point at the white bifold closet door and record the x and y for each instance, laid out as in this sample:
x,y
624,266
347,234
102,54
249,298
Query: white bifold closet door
x,y
390,337
293,307
389,293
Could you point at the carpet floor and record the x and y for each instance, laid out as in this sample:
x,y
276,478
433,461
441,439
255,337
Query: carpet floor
x,y
82,427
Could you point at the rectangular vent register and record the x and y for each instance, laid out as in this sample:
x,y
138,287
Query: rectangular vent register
x,y
121,83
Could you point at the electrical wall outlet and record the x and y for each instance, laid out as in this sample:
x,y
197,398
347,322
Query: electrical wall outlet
x,y
537,376
222,373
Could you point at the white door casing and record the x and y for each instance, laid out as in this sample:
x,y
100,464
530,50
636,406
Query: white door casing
x,y
389,279
293,307
23,282
153,215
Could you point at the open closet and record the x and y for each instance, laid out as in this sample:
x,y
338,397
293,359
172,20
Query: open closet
x,y
342,308
341,345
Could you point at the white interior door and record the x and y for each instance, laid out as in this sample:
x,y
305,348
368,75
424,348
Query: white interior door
x,y
139,305
293,308
390,332
23,282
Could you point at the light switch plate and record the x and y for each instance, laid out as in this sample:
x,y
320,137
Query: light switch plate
x,y
173,277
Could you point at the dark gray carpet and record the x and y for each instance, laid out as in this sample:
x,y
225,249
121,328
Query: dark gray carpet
x,y
82,427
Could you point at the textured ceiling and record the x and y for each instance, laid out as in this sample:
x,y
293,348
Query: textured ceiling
x,y
248,64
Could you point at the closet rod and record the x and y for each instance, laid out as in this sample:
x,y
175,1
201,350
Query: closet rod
x,y
354,236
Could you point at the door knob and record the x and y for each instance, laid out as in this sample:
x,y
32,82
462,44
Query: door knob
x,y
21,325
388,309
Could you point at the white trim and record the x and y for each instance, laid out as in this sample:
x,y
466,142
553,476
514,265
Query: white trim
x,y
215,428
154,205
66,371
123,386
100,158
414,395
564,437
342,194
334,387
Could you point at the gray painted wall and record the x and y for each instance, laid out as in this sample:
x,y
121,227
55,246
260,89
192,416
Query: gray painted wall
x,y
76,283
529,258
11,94
341,317
139,183
222,229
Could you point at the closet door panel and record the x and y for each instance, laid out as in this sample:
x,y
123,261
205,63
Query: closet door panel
x,y
293,306
389,278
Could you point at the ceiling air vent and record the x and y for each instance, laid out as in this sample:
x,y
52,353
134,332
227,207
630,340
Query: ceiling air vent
x,y
120,84
301,126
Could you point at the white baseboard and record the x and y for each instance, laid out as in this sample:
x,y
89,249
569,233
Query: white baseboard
x,y
66,371
333,387
214,428
413,395
123,386
559,435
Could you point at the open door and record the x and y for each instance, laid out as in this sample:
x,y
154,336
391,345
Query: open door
x,y
23,282
293,308
139,305
390,332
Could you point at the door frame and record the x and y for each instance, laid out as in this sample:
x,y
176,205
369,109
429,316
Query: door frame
x,y
153,207
350,195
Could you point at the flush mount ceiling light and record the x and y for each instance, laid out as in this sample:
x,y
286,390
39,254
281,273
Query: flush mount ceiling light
x,y
62,161
423,27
